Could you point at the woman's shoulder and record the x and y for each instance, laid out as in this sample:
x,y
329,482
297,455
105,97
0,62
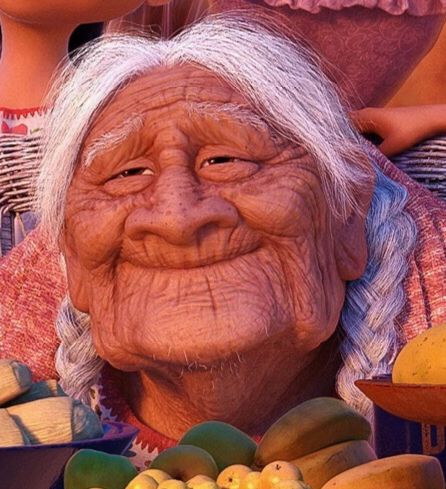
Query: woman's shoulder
x,y
425,283
31,288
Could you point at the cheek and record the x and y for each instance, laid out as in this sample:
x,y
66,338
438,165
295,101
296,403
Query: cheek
x,y
281,205
94,227
317,294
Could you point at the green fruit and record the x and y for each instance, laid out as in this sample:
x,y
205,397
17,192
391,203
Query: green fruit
x,y
311,426
185,461
91,468
227,444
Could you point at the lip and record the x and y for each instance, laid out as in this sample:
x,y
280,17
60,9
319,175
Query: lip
x,y
176,258
210,261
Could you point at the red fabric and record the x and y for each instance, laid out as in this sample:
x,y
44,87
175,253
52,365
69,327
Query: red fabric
x,y
18,113
425,284
20,129
31,288
393,7
366,52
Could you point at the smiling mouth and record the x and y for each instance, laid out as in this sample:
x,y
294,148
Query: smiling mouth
x,y
211,261
177,259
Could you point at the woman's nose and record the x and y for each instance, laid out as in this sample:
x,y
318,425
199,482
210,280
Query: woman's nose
x,y
178,212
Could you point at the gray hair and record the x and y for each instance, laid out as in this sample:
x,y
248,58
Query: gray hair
x,y
283,85
370,339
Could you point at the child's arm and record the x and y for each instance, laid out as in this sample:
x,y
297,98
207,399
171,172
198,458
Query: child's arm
x,y
401,127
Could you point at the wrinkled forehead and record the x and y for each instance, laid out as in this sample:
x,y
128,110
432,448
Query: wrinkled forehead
x,y
160,90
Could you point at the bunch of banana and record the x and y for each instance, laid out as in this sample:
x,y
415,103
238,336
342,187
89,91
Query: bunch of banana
x,y
323,437
35,413
328,441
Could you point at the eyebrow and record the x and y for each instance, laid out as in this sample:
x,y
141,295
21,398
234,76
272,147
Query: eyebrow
x,y
135,123
111,139
236,112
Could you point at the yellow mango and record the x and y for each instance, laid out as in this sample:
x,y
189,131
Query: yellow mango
x,y
422,360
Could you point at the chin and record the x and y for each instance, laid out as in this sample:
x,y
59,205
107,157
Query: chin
x,y
194,342
203,317
197,344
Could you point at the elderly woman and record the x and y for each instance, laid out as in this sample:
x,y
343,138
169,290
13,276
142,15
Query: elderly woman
x,y
231,245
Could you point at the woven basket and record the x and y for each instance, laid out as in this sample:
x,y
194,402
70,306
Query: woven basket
x,y
19,165
426,163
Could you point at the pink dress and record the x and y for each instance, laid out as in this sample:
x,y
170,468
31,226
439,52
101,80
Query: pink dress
x,y
368,47
393,7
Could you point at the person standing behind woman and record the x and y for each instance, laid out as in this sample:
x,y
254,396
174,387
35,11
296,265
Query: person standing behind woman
x,y
417,112
35,41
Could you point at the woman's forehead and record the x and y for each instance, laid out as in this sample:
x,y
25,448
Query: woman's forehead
x,y
161,88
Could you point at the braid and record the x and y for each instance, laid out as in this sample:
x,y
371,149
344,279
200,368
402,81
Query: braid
x,y
77,362
373,302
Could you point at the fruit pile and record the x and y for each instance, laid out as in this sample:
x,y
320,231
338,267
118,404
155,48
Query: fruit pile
x,y
40,412
303,449
320,444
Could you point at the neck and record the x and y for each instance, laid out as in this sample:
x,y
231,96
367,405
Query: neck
x,y
239,393
30,56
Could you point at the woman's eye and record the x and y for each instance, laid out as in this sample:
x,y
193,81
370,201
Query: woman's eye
x,y
218,160
131,172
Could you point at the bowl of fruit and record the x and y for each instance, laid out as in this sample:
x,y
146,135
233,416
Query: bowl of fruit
x,y
41,428
416,389
321,443
304,449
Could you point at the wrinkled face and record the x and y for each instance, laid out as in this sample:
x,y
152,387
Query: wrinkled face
x,y
193,232
67,11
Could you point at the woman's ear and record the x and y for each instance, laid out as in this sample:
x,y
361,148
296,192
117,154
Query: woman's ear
x,y
77,282
351,242
351,248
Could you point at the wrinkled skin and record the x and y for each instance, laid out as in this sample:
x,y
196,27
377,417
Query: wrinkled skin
x,y
205,253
